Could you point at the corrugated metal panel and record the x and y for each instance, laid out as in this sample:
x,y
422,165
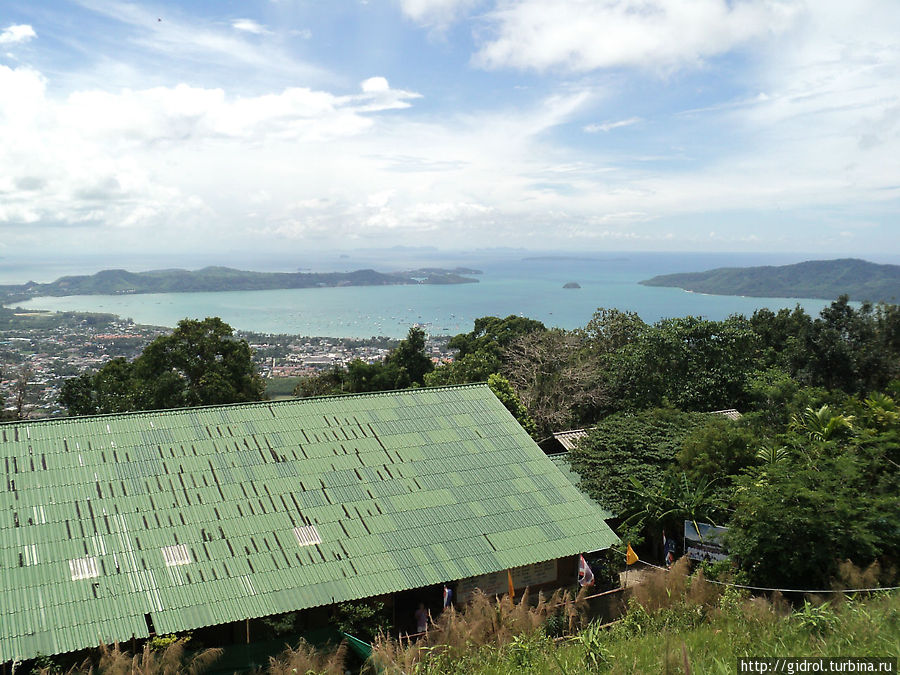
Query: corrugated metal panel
x,y
569,439
404,489
730,413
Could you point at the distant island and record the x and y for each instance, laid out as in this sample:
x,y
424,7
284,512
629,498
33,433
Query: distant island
x,y
826,279
572,284
208,279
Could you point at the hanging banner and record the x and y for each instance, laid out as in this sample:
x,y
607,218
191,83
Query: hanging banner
x,y
498,582
705,543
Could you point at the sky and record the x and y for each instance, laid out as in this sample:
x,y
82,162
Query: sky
x,y
303,125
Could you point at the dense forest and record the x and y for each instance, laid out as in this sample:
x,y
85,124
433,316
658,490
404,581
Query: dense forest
x,y
806,479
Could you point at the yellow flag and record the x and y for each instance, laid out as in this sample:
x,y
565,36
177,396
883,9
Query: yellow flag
x,y
630,555
512,590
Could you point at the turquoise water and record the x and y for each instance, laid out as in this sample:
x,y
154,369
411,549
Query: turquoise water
x,y
511,284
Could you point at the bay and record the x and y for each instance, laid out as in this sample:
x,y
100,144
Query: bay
x,y
513,282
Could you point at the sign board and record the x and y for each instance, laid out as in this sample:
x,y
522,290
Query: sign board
x,y
497,583
707,543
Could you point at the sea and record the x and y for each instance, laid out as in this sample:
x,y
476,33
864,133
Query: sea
x,y
512,281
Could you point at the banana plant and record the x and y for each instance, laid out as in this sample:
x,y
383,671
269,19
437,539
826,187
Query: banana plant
x,y
822,424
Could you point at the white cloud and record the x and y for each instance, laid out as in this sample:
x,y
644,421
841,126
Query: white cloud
x,y
249,26
143,159
436,12
16,34
583,35
375,84
609,126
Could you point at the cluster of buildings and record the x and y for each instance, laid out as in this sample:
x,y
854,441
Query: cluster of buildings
x,y
294,356
70,344
52,347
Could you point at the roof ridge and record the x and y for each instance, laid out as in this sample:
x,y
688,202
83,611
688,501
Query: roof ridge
x,y
283,402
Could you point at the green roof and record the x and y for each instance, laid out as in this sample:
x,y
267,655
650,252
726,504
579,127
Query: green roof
x,y
561,460
209,515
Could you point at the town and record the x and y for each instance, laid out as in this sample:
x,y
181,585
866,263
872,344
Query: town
x,y
39,350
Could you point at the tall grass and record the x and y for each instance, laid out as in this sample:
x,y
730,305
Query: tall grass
x,y
675,623
173,659
484,625
305,659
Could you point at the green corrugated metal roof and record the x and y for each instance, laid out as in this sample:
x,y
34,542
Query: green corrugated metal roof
x,y
404,489
561,460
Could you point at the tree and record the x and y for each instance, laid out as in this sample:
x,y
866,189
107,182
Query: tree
x,y
849,349
882,411
481,351
641,445
405,366
20,388
691,363
721,447
794,523
829,496
491,335
112,389
556,379
674,501
329,381
475,367
771,453
611,329
778,333
383,376
503,390
199,363
410,359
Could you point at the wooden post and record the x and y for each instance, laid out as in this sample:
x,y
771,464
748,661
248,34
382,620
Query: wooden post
x,y
248,630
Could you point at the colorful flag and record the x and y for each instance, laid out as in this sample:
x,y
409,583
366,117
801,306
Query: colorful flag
x,y
585,575
630,555
512,590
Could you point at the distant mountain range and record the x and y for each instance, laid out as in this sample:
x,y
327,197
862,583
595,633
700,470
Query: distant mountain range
x,y
114,282
826,279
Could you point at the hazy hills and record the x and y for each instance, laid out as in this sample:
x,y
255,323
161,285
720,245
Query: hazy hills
x,y
826,279
110,282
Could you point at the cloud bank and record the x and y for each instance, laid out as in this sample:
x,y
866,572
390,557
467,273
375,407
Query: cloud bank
x,y
597,123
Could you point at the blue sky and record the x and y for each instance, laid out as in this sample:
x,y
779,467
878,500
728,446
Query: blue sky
x,y
283,125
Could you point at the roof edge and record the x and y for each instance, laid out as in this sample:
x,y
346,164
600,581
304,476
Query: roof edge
x,y
280,403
